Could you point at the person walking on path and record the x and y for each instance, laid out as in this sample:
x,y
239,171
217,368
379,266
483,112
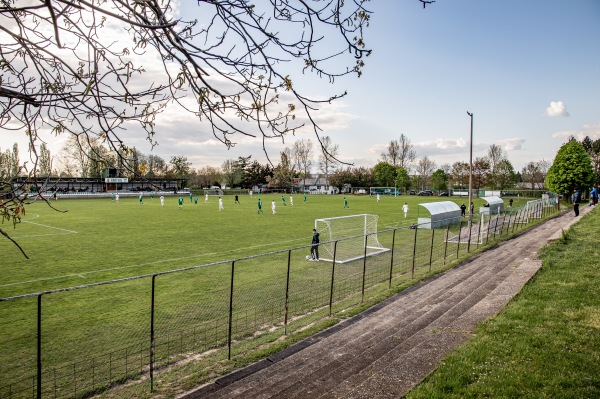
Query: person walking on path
x,y
576,201
594,196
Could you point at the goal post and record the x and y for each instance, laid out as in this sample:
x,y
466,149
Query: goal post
x,y
348,237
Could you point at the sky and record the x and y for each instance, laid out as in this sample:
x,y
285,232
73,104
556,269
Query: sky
x,y
529,71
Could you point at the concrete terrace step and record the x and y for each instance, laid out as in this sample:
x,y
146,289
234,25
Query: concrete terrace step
x,y
387,350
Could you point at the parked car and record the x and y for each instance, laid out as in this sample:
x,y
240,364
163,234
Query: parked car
x,y
412,192
425,193
443,194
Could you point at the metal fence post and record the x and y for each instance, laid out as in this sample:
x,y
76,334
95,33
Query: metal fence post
x,y
39,347
458,242
392,258
487,236
364,276
287,293
479,232
431,248
152,342
332,278
469,241
446,244
229,333
414,252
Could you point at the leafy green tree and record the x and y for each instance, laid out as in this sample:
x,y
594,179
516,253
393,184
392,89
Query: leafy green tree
x,y
505,175
439,180
180,166
571,169
402,179
241,165
460,174
385,174
230,173
481,172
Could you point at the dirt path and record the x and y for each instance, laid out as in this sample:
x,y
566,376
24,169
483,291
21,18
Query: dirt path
x,y
387,350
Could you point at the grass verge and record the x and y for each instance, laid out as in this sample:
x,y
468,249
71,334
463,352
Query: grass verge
x,y
546,342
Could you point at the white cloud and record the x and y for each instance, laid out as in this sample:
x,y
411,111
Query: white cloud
x,y
591,131
512,144
557,108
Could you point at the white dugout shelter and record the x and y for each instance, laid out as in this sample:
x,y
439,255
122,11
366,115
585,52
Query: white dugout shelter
x,y
496,205
442,214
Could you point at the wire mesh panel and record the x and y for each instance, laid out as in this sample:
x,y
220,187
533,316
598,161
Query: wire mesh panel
x,y
95,337
309,290
259,292
191,312
18,341
378,266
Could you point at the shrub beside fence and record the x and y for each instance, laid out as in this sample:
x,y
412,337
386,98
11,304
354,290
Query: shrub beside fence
x,y
75,342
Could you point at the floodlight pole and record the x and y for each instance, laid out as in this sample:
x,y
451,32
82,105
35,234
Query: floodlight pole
x,y
470,164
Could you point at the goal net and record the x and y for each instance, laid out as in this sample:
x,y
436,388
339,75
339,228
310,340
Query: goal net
x,y
348,238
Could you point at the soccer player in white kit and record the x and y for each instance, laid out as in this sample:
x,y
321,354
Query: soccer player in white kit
x,y
405,209
162,200
273,206
291,200
221,204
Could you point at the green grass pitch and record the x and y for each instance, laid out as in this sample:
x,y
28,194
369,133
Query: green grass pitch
x,y
99,240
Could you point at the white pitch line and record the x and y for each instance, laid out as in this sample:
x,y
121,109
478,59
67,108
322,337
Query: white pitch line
x,y
51,227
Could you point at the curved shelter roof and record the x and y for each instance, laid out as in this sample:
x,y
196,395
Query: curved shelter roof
x,y
437,208
496,205
442,213
493,200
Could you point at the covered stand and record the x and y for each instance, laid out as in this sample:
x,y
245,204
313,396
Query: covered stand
x,y
442,214
495,205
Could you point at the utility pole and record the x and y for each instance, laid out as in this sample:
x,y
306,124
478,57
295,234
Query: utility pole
x,y
470,164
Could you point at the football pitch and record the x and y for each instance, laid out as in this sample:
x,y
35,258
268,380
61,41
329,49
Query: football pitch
x,y
226,298
96,240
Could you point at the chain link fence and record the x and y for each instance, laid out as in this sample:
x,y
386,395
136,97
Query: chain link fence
x,y
76,342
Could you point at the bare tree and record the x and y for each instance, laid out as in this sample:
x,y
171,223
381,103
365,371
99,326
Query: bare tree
x,y
425,168
406,153
392,153
328,159
495,156
208,175
303,153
